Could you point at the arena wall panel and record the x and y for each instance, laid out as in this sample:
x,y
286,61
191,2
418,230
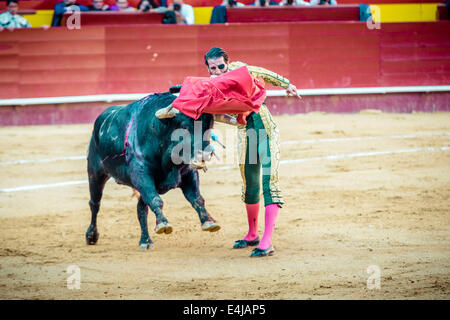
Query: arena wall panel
x,y
202,15
40,18
395,102
290,14
137,59
404,12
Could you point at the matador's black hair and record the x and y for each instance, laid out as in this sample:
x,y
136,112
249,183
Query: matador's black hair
x,y
215,53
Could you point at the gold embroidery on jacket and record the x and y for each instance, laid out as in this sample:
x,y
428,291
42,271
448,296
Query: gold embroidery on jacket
x,y
267,75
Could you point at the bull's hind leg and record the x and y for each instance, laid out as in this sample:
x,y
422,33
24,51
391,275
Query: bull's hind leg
x,y
190,188
97,181
142,210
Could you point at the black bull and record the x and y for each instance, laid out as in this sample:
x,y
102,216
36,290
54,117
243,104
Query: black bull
x,y
131,145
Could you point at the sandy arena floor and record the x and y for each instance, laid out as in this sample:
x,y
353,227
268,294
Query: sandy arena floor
x,y
346,220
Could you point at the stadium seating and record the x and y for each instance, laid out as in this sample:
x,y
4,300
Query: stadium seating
x,y
347,10
49,4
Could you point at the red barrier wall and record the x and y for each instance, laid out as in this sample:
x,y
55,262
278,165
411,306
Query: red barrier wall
x,y
291,14
139,59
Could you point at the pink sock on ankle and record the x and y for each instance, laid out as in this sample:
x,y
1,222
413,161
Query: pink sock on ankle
x,y
269,225
252,216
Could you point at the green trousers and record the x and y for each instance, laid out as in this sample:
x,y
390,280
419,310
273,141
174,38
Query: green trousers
x,y
259,156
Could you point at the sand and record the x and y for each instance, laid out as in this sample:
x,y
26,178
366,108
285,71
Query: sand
x,y
367,224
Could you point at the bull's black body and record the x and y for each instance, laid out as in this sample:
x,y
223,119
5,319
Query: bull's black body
x,y
131,145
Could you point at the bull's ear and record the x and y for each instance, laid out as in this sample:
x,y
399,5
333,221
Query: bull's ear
x,y
175,89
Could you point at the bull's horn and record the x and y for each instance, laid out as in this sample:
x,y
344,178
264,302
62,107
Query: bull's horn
x,y
167,112
225,118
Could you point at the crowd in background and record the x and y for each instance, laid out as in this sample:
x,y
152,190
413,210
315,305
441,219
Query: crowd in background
x,y
176,13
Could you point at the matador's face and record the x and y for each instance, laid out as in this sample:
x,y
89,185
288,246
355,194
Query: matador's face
x,y
217,66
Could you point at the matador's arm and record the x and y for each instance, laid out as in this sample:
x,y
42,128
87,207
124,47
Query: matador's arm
x,y
267,75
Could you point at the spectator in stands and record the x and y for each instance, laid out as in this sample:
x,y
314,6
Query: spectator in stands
x,y
123,6
295,3
183,12
286,3
98,5
264,3
10,19
150,6
63,7
324,2
232,3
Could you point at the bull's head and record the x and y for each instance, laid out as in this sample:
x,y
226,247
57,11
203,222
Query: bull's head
x,y
192,140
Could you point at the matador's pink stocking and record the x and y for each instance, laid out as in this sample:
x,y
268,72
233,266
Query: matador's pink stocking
x,y
252,216
270,219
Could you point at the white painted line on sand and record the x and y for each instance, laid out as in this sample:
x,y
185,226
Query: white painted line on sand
x,y
4,163
331,157
43,186
289,142
406,136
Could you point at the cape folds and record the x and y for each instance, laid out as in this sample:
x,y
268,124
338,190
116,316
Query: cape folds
x,y
233,92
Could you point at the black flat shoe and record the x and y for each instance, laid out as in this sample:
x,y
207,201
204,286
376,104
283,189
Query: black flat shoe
x,y
257,252
240,244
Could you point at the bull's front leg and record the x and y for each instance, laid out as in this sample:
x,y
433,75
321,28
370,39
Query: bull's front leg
x,y
150,197
190,188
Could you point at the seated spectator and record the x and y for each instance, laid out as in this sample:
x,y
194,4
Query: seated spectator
x,y
295,3
98,5
232,3
123,6
286,3
150,6
447,6
63,7
264,3
323,2
218,14
10,19
183,12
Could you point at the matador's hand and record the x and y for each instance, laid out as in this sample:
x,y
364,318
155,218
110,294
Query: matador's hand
x,y
292,91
